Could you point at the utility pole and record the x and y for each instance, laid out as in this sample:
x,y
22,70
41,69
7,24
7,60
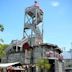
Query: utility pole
x,y
71,50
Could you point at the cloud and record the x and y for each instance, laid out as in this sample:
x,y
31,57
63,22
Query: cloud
x,y
55,3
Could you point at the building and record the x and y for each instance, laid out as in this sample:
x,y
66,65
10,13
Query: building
x,y
29,56
68,65
68,60
31,48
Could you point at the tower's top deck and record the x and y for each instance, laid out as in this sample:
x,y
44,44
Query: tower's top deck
x,y
31,11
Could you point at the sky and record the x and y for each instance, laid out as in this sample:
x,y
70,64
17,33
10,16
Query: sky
x,y
57,20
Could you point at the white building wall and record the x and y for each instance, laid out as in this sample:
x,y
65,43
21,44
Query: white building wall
x,y
58,66
27,56
37,54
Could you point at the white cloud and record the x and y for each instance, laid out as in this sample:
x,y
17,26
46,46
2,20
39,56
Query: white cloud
x,y
55,3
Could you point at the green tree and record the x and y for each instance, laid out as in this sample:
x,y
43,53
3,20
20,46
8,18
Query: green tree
x,y
2,46
43,64
2,49
1,28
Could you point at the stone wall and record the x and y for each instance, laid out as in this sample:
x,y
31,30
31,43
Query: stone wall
x,y
14,57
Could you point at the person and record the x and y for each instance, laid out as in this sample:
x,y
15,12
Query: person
x,y
36,4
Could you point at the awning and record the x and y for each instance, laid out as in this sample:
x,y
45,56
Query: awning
x,y
5,65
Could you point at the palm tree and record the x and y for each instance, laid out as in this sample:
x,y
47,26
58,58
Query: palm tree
x,y
1,46
43,64
1,28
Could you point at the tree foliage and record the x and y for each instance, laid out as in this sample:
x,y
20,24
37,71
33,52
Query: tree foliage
x,y
43,63
2,49
2,46
1,28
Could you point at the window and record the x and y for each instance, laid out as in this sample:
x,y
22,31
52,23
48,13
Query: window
x,y
18,48
14,48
